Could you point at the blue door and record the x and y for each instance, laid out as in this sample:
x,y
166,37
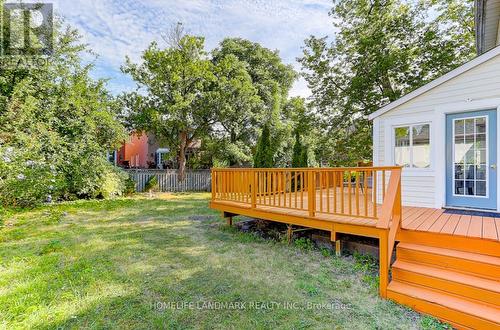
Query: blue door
x,y
471,160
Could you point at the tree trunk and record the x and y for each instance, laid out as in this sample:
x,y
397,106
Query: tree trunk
x,y
182,155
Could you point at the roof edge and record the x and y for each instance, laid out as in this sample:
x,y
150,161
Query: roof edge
x,y
436,82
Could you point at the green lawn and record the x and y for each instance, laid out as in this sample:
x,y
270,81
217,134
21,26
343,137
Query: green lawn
x,y
132,263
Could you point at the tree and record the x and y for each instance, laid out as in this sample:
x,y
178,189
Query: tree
x,y
302,122
56,126
299,158
264,154
236,106
273,80
171,96
383,49
297,151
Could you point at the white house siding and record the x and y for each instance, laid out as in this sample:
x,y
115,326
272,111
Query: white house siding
x,y
492,11
419,186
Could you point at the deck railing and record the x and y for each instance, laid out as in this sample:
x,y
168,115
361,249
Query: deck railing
x,y
363,192
355,191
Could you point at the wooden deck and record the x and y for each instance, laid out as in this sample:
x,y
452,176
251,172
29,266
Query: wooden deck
x,y
447,262
449,222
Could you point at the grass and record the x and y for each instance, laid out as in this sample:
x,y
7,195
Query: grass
x,y
170,262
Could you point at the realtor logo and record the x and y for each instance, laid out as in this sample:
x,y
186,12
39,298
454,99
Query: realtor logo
x,y
27,29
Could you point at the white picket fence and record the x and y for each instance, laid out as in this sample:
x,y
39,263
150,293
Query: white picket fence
x,y
195,180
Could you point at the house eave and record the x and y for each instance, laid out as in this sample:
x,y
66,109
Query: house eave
x,y
436,82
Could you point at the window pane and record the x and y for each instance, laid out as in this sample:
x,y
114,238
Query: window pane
x,y
481,188
459,171
481,141
469,188
421,146
469,126
481,172
459,127
481,157
481,125
469,156
469,172
459,187
460,149
402,146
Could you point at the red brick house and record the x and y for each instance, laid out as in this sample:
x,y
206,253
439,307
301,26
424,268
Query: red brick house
x,y
144,151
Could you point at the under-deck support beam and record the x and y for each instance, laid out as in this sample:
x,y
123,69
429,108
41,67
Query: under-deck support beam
x,y
338,248
229,217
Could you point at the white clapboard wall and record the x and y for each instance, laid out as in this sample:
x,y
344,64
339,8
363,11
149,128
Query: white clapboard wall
x,y
195,180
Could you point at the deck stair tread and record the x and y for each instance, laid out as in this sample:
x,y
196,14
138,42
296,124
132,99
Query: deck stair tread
x,y
450,275
482,258
475,309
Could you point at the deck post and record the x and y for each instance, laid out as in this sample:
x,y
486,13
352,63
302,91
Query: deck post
x,y
311,193
289,233
384,263
338,250
213,174
229,221
254,189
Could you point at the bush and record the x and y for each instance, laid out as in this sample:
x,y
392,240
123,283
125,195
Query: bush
x,y
26,178
152,184
129,187
56,125
112,183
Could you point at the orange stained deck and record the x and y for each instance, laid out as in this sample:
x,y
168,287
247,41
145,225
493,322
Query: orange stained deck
x,y
421,219
447,262
451,222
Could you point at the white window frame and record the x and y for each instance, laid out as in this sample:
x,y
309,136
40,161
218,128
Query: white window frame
x,y
393,147
487,158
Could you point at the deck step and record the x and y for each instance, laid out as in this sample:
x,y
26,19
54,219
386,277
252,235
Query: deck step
x,y
460,312
466,262
461,284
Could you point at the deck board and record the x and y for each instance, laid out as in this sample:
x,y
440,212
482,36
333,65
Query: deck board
x,y
497,222
463,225
331,203
420,219
414,216
489,228
440,223
475,227
451,224
430,220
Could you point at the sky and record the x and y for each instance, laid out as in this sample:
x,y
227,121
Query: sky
x,y
116,28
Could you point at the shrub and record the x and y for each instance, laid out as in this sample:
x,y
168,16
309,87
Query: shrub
x,y
112,183
26,178
152,184
56,125
129,187
304,243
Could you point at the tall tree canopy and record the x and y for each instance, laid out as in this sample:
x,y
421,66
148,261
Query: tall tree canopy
x,y
272,78
223,98
383,49
238,111
272,81
171,100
